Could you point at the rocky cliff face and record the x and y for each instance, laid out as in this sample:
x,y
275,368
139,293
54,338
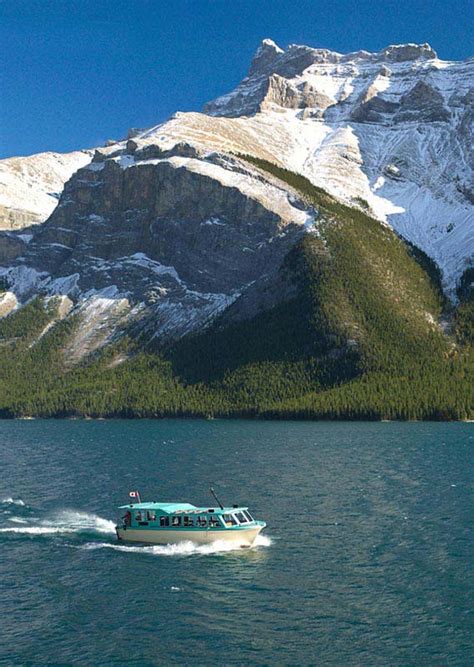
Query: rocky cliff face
x,y
169,228
165,242
298,65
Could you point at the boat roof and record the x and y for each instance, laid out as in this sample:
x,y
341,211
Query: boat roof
x,y
185,508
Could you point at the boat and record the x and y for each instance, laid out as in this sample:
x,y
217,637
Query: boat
x,y
172,523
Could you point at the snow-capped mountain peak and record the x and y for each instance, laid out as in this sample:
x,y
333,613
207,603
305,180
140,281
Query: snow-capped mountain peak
x,y
393,128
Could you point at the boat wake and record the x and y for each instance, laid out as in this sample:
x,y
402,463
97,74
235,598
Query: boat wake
x,y
62,522
11,501
182,549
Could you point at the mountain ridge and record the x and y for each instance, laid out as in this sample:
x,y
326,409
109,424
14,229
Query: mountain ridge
x,y
189,225
399,139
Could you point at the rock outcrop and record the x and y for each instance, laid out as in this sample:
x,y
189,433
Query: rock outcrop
x,y
399,53
423,103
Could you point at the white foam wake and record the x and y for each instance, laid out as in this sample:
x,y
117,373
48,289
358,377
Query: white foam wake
x,y
181,549
35,530
11,501
67,521
262,541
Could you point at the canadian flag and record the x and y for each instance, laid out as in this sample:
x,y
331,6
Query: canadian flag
x,y
134,494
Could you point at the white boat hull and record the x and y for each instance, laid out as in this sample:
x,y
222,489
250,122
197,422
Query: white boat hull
x,y
240,538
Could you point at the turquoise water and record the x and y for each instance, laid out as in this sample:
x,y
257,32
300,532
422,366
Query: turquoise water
x,y
367,559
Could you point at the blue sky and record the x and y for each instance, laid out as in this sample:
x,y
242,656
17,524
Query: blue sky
x,y
76,73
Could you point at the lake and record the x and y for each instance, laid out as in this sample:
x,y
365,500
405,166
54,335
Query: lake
x,y
367,558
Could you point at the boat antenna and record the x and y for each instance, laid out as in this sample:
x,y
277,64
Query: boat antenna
x,y
216,498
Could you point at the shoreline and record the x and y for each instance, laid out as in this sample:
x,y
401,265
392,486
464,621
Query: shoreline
x,y
362,419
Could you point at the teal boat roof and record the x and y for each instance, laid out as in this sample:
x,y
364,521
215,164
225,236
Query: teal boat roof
x,y
172,508
167,507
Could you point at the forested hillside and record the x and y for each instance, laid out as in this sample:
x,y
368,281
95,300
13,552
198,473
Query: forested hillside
x,y
363,333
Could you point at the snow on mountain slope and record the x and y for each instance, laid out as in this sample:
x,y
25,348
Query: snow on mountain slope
x,y
30,187
414,176
394,128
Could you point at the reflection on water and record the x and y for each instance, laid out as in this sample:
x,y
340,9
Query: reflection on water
x,y
367,557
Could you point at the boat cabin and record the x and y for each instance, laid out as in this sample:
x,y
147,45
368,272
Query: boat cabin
x,y
184,516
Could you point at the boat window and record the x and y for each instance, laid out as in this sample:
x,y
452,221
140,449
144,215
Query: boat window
x,y
229,520
188,521
151,516
213,521
241,518
248,515
176,521
138,516
164,521
202,521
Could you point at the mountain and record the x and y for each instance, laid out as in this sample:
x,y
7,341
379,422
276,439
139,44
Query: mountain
x,y
303,247
393,128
